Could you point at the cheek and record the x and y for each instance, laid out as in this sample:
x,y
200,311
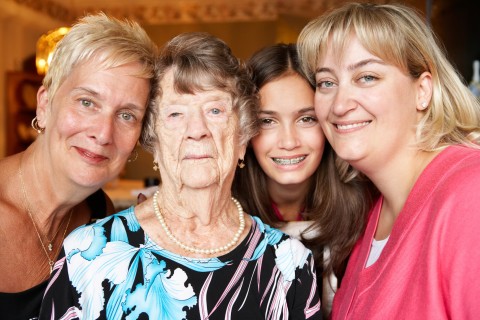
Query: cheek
x,y
168,145
259,144
66,124
127,139
316,139
321,108
266,140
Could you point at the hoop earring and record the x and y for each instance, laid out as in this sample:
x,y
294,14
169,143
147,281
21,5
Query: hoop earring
x,y
36,126
241,163
155,166
133,156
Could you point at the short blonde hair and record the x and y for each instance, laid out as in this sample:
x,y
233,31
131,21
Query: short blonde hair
x,y
398,35
111,42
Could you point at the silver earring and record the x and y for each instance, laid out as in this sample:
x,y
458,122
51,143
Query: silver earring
x,y
133,156
36,126
424,105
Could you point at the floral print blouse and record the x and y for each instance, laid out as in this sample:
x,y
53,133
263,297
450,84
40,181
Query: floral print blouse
x,y
111,269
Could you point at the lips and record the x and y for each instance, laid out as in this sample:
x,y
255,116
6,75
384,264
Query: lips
x,y
288,161
350,126
196,157
90,155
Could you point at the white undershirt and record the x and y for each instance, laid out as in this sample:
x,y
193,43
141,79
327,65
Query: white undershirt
x,y
376,250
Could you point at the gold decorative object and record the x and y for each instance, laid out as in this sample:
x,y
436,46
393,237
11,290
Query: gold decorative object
x,y
45,46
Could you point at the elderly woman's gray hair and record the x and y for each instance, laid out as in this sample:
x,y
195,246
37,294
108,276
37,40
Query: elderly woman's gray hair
x,y
203,62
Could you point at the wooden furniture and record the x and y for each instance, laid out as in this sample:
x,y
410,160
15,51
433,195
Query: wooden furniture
x,y
22,90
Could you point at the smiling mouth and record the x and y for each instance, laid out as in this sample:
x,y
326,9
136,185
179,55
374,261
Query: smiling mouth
x,y
352,125
91,155
288,162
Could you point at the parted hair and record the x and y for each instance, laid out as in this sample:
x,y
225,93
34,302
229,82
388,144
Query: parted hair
x,y
398,35
108,41
201,61
338,208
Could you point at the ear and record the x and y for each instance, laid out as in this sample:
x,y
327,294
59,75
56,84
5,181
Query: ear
x,y
42,106
424,91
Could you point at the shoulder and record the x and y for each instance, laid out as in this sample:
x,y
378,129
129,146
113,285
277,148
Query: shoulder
x,y
85,235
458,171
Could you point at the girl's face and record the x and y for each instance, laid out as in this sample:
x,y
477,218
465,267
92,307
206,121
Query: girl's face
x,y
290,144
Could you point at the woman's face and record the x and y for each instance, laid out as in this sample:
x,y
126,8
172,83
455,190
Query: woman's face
x,y
367,107
93,122
198,137
290,144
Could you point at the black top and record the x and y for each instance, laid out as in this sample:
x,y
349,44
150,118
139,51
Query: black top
x,y
114,270
25,305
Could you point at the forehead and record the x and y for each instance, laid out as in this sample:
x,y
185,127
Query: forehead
x,y
171,96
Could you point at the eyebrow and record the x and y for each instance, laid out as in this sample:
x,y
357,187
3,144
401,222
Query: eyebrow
x,y
79,90
83,89
354,66
301,111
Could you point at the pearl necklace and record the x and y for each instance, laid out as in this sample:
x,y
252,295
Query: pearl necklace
x,y
185,247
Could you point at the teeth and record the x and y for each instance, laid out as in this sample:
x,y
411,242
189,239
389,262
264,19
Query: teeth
x,y
286,162
351,126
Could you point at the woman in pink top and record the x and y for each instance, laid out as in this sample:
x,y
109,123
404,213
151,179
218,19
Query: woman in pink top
x,y
394,108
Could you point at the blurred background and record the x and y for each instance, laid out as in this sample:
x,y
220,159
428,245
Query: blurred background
x,y
28,28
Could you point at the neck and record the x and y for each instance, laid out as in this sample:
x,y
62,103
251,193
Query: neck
x,y
290,199
48,201
395,180
200,207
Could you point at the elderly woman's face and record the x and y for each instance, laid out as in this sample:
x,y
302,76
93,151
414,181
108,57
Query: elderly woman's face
x,y
198,137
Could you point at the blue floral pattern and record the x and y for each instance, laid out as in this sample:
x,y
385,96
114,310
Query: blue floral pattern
x,y
111,269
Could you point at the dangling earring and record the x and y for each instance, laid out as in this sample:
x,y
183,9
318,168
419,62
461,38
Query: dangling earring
x,y
241,163
36,126
155,166
133,156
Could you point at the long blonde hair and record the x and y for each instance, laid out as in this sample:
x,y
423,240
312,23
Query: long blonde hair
x,y
398,35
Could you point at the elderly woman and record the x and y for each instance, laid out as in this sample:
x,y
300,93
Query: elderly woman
x,y
190,252
90,111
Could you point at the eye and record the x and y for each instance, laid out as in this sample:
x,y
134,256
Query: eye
x,y
86,103
308,119
367,78
266,122
325,84
174,114
215,111
127,116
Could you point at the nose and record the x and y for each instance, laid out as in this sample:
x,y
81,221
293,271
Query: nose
x,y
196,126
288,138
101,129
343,101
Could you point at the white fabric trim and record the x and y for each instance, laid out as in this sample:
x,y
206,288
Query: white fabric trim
x,y
376,251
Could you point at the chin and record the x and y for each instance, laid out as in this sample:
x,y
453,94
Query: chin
x,y
291,180
94,180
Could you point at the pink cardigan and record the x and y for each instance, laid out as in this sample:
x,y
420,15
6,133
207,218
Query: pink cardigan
x,y
430,267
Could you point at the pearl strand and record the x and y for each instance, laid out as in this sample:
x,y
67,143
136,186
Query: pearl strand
x,y
161,220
